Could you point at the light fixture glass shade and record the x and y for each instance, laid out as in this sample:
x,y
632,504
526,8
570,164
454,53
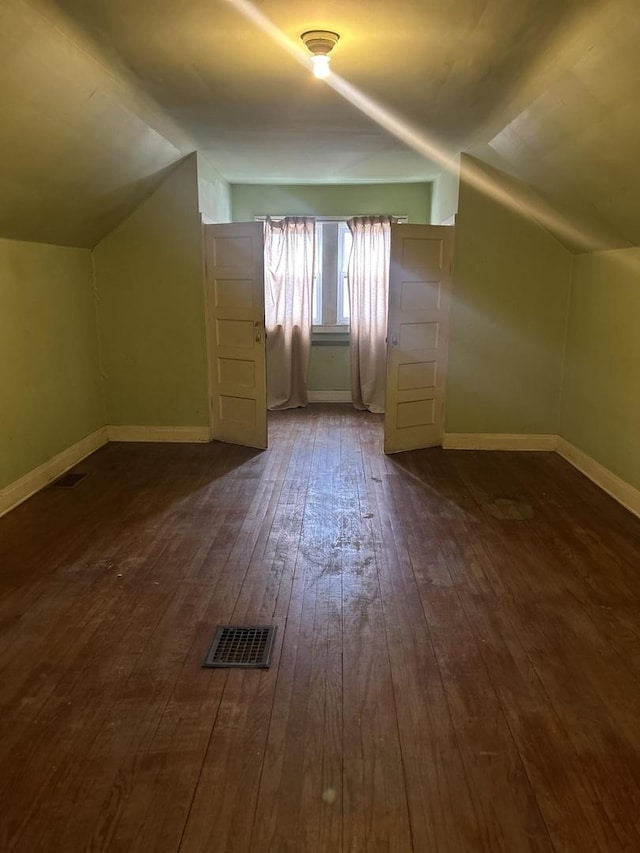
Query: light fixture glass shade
x,y
321,65
320,43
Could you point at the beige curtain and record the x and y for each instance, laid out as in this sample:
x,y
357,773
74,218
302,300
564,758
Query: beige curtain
x,y
368,282
289,252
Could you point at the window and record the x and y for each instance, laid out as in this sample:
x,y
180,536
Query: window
x,y
330,292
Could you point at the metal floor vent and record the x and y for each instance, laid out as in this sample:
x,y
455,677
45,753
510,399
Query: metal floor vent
x,y
67,481
241,645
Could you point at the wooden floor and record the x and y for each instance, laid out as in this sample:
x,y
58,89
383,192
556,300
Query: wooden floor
x,y
457,663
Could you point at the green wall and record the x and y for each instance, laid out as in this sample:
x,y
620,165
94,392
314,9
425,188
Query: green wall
x,y
149,280
508,317
329,368
444,194
518,324
601,394
214,192
49,367
412,200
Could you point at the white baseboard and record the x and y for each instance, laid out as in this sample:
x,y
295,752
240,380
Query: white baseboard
x,y
17,492
498,441
623,492
329,396
156,433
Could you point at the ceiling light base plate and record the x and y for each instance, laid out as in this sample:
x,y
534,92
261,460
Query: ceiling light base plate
x,y
320,42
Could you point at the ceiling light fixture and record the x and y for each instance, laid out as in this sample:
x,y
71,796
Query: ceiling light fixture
x,y
320,43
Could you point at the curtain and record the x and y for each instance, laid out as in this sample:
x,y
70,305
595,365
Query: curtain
x,y
368,282
289,253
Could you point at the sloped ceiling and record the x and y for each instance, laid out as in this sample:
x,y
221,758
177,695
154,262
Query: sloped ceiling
x,y
577,141
104,94
79,144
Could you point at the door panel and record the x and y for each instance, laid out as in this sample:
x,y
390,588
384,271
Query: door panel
x,y
234,257
417,338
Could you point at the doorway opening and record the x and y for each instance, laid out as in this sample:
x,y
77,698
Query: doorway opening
x,y
326,294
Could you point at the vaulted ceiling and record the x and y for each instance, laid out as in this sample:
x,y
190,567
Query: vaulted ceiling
x,y
98,98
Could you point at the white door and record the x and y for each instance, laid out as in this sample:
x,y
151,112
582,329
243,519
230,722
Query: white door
x,y
234,260
417,335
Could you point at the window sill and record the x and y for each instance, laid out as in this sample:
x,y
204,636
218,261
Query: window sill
x,y
330,335
342,329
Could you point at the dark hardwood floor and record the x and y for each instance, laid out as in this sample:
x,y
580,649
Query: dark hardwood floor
x,y
457,662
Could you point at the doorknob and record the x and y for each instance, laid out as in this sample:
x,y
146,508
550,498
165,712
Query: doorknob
x,y
258,332
394,341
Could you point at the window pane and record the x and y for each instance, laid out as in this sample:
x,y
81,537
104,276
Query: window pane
x,y
317,279
346,241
